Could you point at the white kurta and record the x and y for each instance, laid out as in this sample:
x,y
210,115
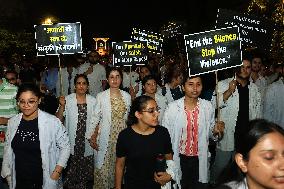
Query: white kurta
x,y
274,103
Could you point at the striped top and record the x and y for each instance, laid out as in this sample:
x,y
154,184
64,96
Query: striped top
x,y
8,107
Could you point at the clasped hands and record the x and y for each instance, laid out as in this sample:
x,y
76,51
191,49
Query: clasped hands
x,y
162,178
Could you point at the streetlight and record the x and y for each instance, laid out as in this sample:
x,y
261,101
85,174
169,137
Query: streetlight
x,y
47,21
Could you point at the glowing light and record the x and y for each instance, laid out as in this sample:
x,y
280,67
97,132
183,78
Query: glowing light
x,y
47,21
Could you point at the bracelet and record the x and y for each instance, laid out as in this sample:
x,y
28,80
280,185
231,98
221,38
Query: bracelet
x,y
57,172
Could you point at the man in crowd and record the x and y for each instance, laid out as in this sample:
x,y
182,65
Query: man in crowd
x,y
12,77
8,108
239,101
273,99
95,72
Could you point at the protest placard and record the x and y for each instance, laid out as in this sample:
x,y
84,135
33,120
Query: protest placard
x,y
213,50
128,53
172,29
254,31
154,40
61,38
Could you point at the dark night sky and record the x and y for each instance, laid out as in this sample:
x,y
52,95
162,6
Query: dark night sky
x,y
115,18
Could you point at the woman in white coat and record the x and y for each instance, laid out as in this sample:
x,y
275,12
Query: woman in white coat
x,y
150,89
172,89
37,145
110,116
190,121
77,109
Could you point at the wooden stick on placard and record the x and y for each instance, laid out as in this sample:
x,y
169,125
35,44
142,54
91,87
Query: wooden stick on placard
x,y
60,76
130,76
217,97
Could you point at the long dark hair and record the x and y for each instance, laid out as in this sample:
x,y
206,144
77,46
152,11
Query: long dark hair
x,y
256,130
138,104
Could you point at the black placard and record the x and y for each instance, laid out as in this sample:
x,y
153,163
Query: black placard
x,y
129,53
61,38
254,31
213,50
154,40
172,30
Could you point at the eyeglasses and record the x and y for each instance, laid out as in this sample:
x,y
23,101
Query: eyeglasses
x,y
29,102
152,110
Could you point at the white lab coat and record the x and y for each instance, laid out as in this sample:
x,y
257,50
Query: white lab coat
x,y
71,120
102,117
175,119
229,111
54,146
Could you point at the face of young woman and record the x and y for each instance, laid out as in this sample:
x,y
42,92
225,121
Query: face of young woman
x,y
149,115
150,86
28,104
114,79
265,167
81,86
193,87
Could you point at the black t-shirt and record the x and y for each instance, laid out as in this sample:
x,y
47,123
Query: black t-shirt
x,y
243,115
141,152
26,146
176,93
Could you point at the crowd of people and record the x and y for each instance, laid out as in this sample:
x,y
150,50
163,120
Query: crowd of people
x,y
89,124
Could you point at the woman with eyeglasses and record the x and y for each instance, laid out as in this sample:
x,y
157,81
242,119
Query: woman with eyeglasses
x,y
76,111
37,146
150,89
139,146
111,111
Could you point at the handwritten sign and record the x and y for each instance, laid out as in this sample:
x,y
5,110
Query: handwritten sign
x,y
61,38
154,40
254,31
213,50
129,53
